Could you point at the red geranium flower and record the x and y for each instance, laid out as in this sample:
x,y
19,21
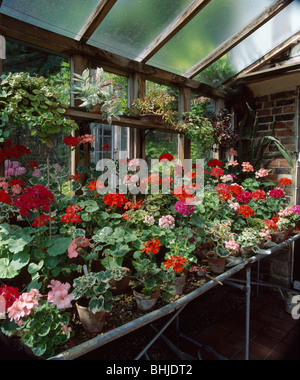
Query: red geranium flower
x,y
106,146
166,156
246,211
71,140
10,294
214,162
276,193
259,194
152,246
285,181
71,215
217,172
94,185
33,164
42,221
117,200
5,198
34,198
177,263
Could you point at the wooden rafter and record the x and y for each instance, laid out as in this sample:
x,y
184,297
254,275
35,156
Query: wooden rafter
x,y
95,19
190,12
267,57
272,72
267,15
22,31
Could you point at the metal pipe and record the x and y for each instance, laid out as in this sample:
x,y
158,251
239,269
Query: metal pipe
x,y
112,335
248,295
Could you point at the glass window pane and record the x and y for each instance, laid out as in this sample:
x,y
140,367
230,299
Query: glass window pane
x,y
217,22
133,24
276,31
64,17
158,143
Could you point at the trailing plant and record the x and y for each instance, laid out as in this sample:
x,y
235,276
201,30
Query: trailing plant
x,y
97,90
31,101
199,129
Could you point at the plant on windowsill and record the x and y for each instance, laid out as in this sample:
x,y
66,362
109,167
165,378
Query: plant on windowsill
x,y
156,107
97,94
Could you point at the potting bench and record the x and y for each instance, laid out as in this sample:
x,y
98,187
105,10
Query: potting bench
x,y
176,308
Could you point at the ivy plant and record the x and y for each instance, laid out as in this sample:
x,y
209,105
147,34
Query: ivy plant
x,y
28,100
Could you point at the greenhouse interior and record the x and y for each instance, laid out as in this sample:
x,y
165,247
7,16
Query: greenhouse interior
x,y
149,185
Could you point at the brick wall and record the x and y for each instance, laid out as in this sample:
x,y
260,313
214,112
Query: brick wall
x,y
277,117
277,112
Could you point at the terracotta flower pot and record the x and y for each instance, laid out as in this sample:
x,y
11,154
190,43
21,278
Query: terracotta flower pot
x,y
122,285
178,286
247,251
279,236
91,323
216,263
145,303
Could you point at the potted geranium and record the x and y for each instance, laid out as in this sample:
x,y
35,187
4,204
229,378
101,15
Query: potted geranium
x,y
150,278
93,293
249,240
224,242
41,325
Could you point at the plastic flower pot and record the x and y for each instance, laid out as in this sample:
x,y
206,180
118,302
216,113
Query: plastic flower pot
x,y
91,323
247,251
216,263
144,303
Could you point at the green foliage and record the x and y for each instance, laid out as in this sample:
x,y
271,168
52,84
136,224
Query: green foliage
x,y
29,100
96,287
199,130
97,92
42,330
253,149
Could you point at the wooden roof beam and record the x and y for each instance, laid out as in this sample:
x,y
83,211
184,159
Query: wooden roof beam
x,y
188,14
267,57
271,72
267,15
95,19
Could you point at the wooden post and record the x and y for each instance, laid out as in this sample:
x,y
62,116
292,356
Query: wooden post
x,y
136,89
2,167
78,65
184,144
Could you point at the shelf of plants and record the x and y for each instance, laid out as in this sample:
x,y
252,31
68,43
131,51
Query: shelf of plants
x,y
98,262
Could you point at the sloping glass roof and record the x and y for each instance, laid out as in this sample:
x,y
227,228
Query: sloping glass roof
x,y
174,35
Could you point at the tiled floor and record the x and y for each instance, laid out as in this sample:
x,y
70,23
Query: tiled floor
x,y
274,334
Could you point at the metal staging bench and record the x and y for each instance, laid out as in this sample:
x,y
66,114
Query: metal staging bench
x,y
176,308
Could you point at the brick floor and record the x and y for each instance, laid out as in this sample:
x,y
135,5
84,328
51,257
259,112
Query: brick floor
x,y
274,334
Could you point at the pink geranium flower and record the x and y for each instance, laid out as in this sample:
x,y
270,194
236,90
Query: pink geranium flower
x,y
59,294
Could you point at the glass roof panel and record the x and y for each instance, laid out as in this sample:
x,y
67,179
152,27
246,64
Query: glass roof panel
x,y
216,23
133,24
273,33
65,17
